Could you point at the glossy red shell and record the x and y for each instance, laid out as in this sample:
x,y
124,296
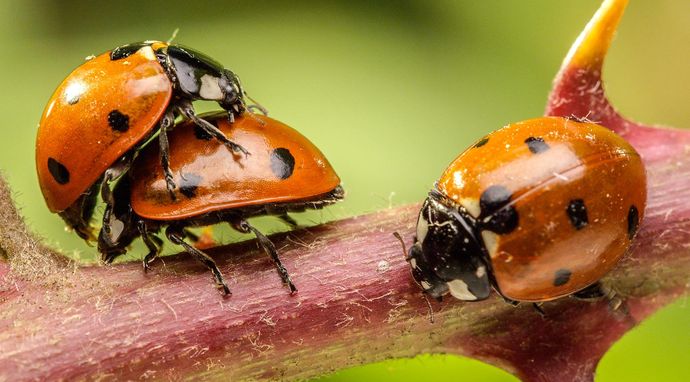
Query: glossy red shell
x,y
579,192
283,167
100,111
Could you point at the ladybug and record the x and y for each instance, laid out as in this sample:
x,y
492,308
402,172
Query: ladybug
x,y
285,173
113,104
538,210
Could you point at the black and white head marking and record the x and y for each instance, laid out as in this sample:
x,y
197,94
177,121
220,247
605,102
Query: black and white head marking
x,y
446,256
198,76
125,51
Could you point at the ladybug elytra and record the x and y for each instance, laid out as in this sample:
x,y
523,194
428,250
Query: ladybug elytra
x,y
537,210
285,173
108,107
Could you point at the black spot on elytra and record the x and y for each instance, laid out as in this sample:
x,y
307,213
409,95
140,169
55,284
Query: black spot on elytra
x,y
577,213
126,50
118,121
562,277
282,163
633,221
188,184
536,145
58,171
497,214
200,133
481,142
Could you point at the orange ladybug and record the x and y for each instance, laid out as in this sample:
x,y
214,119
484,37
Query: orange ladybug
x,y
538,210
110,106
285,173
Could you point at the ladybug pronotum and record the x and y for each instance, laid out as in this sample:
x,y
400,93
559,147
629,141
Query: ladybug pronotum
x,y
109,107
538,210
285,173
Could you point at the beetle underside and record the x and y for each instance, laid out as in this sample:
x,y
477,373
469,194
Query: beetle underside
x,y
122,226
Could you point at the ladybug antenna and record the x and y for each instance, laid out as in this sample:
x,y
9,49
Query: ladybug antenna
x,y
255,105
402,243
426,298
174,34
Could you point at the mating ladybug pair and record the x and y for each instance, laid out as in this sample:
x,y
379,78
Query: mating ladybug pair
x,y
94,138
537,210
110,106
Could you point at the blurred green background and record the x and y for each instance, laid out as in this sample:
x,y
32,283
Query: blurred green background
x,y
390,91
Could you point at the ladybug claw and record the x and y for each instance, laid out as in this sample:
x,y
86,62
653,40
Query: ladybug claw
x,y
226,290
238,149
170,185
109,258
146,265
293,288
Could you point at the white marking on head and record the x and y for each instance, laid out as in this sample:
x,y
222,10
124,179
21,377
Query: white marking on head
x,y
210,88
425,284
490,242
148,53
472,206
481,271
422,228
459,290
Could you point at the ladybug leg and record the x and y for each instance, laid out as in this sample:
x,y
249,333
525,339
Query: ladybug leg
x,y
176,236
599,291
255,105
153,243
187,110
166,124
593,292
281,213
268,247
202,240
287,219
119,227
537,307
112,173
191,235
509,301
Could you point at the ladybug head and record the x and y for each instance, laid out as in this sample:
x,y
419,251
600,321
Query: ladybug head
x,y
446,256
233,94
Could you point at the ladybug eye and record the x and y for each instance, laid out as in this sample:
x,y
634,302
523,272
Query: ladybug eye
x,y
231,85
